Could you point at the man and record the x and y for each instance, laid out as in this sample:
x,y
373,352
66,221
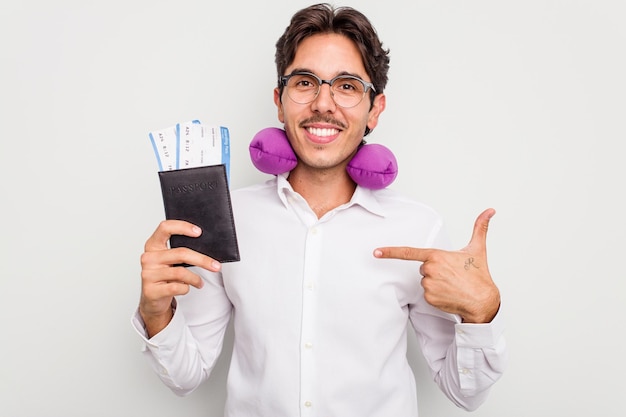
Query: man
x,y
322,296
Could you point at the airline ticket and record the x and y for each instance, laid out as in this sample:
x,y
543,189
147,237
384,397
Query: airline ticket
x,y
191,144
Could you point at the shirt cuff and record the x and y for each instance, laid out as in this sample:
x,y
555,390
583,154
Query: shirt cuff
x,y
161,338
483,335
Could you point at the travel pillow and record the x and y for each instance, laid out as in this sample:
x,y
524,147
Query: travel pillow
x,y
373,166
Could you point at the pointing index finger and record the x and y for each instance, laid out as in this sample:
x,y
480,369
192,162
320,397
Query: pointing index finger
x,y
403,252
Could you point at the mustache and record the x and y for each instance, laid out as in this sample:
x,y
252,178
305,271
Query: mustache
x,y
322,119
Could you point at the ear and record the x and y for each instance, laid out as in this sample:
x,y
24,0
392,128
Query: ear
x,y
378,106
279,105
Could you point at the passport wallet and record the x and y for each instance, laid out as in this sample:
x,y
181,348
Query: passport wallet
x,y
201,196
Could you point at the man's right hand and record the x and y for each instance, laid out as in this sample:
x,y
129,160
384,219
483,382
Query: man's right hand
x,y
161,280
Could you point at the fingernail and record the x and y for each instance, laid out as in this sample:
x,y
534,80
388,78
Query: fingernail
x,y
216,265
378,253
196,230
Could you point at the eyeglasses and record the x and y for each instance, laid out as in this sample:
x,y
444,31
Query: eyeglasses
x,y
346,90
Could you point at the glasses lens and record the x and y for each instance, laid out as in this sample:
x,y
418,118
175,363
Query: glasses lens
x,y
348,91
302,88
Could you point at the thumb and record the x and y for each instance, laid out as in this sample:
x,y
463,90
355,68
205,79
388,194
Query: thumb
x,y
478,242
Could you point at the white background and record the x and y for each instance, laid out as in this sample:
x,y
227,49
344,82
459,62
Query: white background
x,y
518,106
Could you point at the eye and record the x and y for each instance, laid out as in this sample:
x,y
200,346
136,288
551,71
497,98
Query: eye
x,y
303,82
348,85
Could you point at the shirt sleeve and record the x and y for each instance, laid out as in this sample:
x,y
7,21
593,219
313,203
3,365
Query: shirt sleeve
x,y
465,359
184,353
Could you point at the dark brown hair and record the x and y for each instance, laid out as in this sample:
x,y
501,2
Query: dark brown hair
x,y
346,21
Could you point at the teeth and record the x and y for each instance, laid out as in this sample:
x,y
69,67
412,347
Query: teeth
x,y
322,132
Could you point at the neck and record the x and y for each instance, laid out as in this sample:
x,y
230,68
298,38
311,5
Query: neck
x,y
322,189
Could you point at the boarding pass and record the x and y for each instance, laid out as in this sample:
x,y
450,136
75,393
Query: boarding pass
x,y
191,144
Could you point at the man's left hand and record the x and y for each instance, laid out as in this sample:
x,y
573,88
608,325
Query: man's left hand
x,y
457,282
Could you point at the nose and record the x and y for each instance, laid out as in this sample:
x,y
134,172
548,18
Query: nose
x,y
324,102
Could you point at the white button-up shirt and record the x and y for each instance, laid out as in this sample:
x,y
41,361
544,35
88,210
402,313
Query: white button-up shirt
x,y
320,323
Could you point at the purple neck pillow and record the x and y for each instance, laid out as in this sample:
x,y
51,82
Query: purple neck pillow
x,y
373,166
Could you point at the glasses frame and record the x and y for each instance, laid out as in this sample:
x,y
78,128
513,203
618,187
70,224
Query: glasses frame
x,y
284,79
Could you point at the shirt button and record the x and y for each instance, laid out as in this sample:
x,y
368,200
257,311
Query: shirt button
x,y
307,403
309,285
465,371
308,345
314,230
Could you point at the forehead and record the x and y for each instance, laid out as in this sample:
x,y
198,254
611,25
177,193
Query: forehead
x,y
327,55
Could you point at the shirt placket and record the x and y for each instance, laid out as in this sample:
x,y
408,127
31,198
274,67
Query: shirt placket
x,y
310,282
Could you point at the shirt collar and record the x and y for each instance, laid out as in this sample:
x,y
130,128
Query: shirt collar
x,y
363,197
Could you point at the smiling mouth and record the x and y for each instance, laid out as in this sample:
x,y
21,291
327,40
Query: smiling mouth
x,y
322,132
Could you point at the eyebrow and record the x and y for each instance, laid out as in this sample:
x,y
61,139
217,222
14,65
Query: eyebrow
x,y
336,75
